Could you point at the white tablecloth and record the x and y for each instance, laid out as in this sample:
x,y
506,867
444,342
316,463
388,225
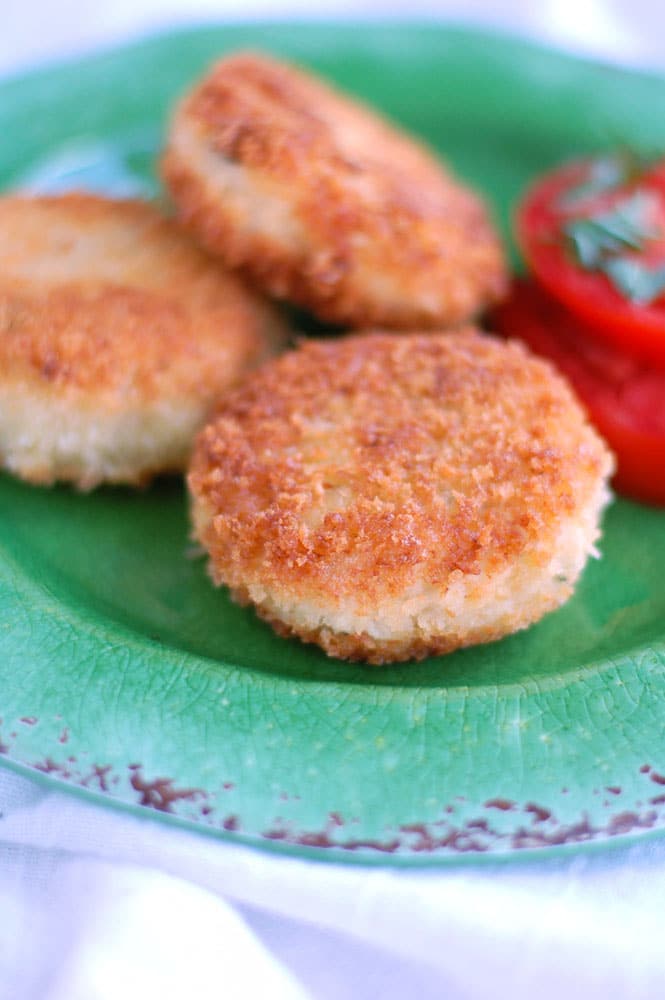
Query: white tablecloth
x,y
630,31
98,905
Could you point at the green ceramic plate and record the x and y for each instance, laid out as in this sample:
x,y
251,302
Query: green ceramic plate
x,y
124,673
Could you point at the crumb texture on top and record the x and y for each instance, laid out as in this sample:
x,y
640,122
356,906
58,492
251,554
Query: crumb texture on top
x,y
324,203
114,329
390,496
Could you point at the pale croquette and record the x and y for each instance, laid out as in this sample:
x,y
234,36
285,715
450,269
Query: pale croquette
x,y
117,335
323,203
391,497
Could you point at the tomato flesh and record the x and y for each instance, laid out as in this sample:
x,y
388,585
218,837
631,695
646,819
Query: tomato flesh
x,y
624,398
540,226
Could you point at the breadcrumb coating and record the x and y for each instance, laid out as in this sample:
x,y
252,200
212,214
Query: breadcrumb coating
x,y
323,203
117,335
390,497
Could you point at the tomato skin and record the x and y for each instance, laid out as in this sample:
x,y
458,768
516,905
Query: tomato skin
x,y
539,222
624,398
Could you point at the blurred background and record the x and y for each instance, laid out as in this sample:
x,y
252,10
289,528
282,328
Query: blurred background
x,y
626,31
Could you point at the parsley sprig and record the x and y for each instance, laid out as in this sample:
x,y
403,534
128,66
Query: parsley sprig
x,y
606,173
626,226
602,242
641,284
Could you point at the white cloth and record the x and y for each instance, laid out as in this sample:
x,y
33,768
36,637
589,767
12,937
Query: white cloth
x,y
99,905
630,31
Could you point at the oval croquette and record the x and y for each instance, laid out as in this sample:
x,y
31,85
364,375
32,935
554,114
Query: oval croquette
x,y
391,497
323,203
117,335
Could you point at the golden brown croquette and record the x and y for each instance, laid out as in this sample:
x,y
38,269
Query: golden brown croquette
x,y
116,337
323,203
390,497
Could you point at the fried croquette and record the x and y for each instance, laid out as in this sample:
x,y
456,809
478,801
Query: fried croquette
x,y
392,497
116,337
323,203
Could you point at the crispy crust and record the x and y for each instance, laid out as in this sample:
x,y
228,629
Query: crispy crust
x,y
390,497
108,313
367,648
321,202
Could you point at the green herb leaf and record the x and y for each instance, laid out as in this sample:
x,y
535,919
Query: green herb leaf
x,y
605,174
627,226
639,283
609,172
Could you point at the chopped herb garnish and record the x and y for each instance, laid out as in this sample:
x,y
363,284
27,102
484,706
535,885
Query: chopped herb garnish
x,y
604,175
635,280
607,173
626,226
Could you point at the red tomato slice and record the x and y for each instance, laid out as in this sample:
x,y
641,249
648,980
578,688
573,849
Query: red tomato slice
x,y
541,216
624,398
